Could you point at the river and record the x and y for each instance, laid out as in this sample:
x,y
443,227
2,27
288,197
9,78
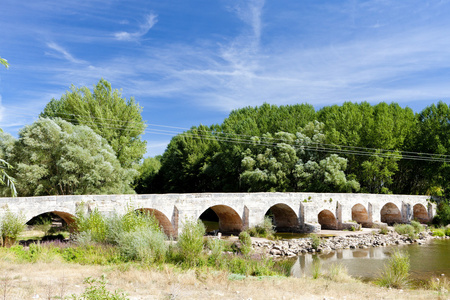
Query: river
x,y
427,261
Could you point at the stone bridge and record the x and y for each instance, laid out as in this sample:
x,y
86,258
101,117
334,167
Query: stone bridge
x,y
295,212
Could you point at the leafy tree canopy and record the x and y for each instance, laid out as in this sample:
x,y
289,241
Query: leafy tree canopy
x,y
55,157
116,119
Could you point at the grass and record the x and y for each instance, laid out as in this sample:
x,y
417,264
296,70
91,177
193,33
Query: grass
x,y
338,273
315,241
263,230
438,232
406,229
396,271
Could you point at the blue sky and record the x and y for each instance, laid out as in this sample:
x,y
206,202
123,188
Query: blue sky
x,y
192,62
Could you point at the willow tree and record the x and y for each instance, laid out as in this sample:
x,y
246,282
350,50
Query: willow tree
x,y
55,157
115,118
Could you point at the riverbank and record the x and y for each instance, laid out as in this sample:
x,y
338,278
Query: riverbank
x,y
339,240
53,279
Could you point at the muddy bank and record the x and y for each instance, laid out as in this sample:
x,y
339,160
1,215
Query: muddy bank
x,y
294,247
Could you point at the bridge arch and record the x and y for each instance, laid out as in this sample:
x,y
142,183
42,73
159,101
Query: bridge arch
x,y
162,219
229,219
420,213
390,214
360,215
327,220
67,218
284,218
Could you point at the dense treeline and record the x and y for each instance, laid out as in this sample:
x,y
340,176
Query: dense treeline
x,y
380,148
89,142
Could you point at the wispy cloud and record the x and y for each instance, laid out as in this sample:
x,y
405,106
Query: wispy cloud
x,y
61,51
150,21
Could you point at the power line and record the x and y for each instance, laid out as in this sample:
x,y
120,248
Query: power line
x,y
248,139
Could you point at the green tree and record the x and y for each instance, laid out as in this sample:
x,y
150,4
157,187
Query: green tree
x,y
116,119
54,157
287,162
148,180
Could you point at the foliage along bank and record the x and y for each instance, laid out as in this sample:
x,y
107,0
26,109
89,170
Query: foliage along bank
x,y
380,148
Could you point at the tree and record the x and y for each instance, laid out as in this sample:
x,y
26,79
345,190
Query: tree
x,y
116,119
55,157
293,162
147,181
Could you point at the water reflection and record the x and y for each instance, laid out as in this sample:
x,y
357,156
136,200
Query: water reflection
x,y
426,261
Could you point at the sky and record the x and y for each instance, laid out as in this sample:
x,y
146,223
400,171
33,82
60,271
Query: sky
x,y
192,62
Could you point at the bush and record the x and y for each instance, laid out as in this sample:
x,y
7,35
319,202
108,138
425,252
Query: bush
x,y
96,290
190,241
405,229
11,227
264,230
447,231
216,246
143,244
442,214
438,232
246,243
384,230
93,223
132,221
396,271
417,226
315,241
338,273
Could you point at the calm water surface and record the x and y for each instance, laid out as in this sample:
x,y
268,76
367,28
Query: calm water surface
x,y
432,259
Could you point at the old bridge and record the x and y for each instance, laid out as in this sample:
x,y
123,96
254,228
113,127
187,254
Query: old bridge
x,y
297,212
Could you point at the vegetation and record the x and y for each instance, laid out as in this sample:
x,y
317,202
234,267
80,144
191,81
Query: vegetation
x,y
295,148
263,230
410,230
11,225
54,157
246,243
315,241
396,271
114,118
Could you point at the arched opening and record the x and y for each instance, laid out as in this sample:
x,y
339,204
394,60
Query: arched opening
x,y
49,226
327,220
420,213
163,221
360,215
390,214
283,218
229,221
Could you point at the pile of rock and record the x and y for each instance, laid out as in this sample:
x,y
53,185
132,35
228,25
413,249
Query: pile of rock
x,y
296,247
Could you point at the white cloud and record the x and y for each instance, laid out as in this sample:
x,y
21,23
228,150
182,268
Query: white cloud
x,y
60,50
150,21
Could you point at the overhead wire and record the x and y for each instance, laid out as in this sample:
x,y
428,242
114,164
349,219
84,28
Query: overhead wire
x,y
249,139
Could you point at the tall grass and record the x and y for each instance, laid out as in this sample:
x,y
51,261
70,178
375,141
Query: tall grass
x,y
396,272
315,241
246,243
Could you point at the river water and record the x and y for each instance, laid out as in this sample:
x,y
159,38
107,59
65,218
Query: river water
x,y
428,260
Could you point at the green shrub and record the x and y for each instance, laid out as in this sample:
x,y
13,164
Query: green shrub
x,y
94,223
396,271
143,244
438,232
384,230
405,229
264,230
117,225
315,241
216,246
96,290
417,226
190,241
442,214
11,226
447,231
246,243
